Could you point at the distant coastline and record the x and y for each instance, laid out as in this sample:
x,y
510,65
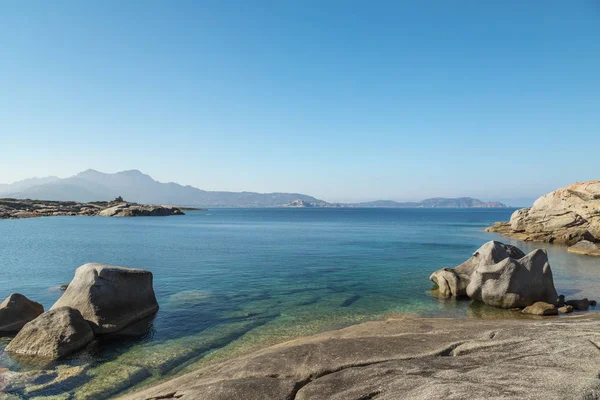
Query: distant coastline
x,y
437,202
133,185
26,208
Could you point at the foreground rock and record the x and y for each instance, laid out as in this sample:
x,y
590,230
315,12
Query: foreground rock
x,y
52,335
514,283
454,282
586,248
16,208
16,311
500,275
109,297
565,216
415,359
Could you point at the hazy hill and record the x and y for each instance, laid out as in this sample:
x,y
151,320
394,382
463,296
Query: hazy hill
x,y
135,186
437,202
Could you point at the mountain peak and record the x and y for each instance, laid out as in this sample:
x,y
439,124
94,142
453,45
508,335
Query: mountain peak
x,y
131,172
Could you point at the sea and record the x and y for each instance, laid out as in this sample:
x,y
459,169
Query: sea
x,y
230,281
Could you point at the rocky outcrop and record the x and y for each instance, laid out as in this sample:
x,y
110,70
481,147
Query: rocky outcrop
x,y
514,282
137,210
417,359
454,281
109,297
586,248
16,311
16,208
52,335
565,216
500,275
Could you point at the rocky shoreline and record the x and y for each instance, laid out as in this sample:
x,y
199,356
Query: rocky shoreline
x,y
569,215
18,209
410,358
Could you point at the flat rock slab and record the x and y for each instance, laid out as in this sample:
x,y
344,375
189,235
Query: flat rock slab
x,y
412,358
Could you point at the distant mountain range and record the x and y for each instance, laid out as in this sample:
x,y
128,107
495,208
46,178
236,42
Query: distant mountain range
x,y
135,186
437,202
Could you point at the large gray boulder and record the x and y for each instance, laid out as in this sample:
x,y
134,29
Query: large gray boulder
x,y
16,311
109,297
52,335
454,282
514,282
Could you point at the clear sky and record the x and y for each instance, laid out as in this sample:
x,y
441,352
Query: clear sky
x,y
343,100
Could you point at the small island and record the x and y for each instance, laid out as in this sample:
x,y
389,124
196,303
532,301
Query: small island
x,y
27,208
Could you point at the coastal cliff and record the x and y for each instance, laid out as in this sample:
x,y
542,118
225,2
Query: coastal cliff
x,y
566,216
17,209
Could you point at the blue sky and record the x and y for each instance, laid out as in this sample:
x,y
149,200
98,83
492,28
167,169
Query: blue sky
x,y
343,100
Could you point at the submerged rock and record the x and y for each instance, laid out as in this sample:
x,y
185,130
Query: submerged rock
x,y
454,282
566,216
16,311
109,297
514,282
52,335
586,248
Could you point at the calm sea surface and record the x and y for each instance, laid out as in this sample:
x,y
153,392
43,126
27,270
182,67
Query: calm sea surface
x,y
231,280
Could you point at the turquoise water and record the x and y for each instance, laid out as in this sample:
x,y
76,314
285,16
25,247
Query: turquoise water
x,y
231,280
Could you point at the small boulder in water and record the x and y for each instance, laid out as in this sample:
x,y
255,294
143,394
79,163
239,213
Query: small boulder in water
x,y
565,309
541,308
580,305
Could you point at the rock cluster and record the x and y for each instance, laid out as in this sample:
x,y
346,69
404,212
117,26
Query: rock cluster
x,y
17,208
500,275
566,216
101,299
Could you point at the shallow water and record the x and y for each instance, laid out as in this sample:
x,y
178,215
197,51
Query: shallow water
x,y
230,280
